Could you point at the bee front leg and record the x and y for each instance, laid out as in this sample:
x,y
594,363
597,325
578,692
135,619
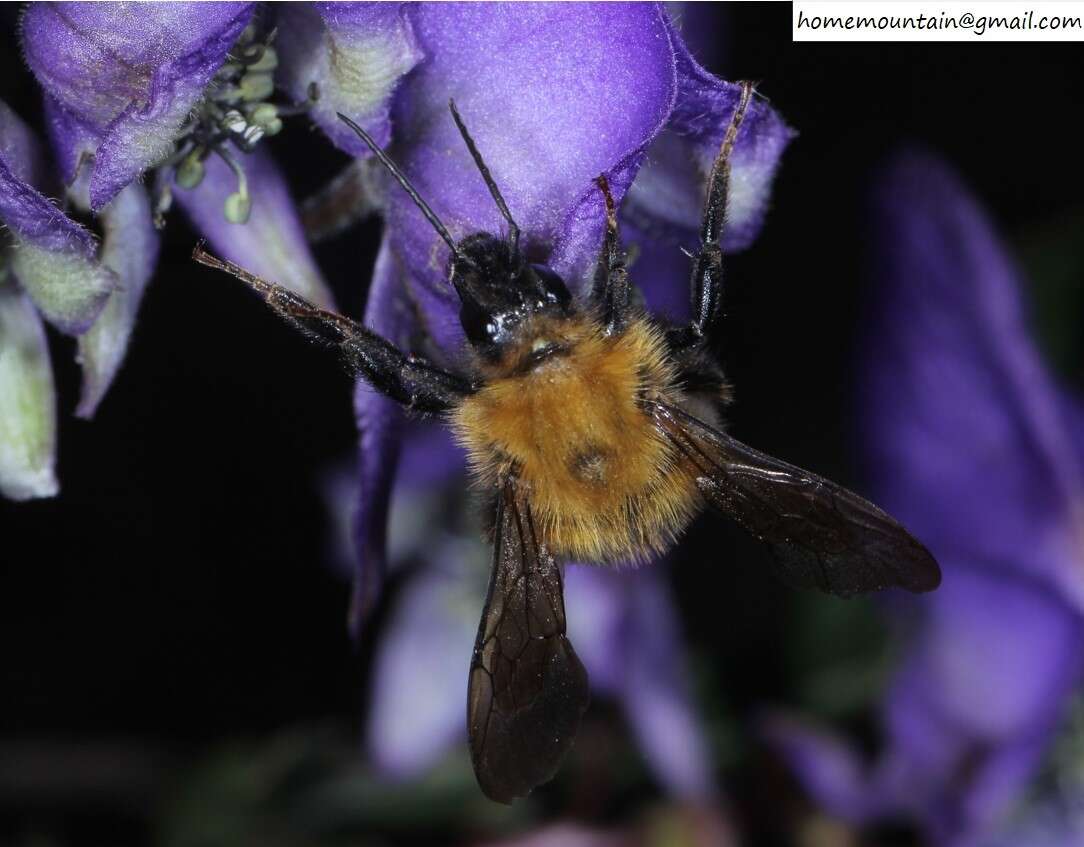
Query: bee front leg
x,y
413,382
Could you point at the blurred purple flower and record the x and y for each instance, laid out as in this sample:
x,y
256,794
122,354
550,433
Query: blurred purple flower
x,y
568,835
1053,824
554,95
977,450
687,825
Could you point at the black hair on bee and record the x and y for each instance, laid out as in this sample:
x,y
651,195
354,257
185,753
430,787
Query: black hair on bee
x,y
594,427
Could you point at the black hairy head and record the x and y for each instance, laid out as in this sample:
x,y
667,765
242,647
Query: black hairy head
x,y
499,291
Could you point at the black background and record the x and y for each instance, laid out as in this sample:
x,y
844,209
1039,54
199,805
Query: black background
x,y
177,593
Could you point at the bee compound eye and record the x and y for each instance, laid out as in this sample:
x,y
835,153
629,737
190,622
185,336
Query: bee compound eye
x,y
554,287
477,324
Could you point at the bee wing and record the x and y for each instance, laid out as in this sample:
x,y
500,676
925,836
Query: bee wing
x,y
822,535
527,687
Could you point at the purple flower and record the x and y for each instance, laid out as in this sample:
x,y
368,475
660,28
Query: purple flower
x,y
50,268
128,77
977,450
623,625
1050,824
554,95
181,90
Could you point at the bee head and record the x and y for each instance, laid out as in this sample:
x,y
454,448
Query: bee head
x,y
499,291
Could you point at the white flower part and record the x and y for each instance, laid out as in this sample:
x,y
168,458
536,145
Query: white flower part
x,y
68,288
27,401
130,249
366,70
355,56
668,190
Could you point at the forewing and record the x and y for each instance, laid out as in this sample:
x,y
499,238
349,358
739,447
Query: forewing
x,y
821,535
527,688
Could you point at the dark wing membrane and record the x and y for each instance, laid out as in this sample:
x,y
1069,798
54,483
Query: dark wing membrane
x,y
822,535
527,687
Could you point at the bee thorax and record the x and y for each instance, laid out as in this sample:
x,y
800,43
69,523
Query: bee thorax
x,y
565,414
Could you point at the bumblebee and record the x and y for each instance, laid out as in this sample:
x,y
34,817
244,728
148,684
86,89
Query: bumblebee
x,y
594,429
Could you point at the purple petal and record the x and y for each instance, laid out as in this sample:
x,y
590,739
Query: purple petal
x,y
1073,410
963,427
829,769
52,256
421,664
20,149
981,692
25,210
969,713
1053,823
381,422
657,695
550,110
431,457
596,609
661,272
132,73
72,140
971,788
568,835
271,243
130,250
996,655
356,53
1005,775
27,400
624,628
667,197
36,221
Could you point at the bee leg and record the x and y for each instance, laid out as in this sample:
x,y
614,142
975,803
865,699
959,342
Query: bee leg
x,y
707,275
611,286
411,381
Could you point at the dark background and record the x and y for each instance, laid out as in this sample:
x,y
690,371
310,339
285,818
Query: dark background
x,y
177,596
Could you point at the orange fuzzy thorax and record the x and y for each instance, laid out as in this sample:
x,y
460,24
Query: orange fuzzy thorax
x,y
603,483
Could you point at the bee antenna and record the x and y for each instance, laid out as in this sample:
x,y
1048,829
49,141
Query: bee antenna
x,y
401,178
513,228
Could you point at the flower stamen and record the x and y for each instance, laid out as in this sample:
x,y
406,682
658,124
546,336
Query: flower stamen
x,y
238,205
235,112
